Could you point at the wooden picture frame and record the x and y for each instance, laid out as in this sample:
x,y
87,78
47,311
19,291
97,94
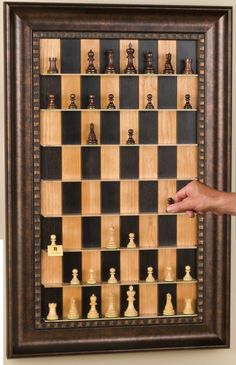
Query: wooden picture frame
x,y
25,26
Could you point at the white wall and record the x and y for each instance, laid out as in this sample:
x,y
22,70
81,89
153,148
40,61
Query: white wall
x,y
180,357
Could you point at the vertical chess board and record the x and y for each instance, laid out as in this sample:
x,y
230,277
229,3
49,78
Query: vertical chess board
x,y
85,189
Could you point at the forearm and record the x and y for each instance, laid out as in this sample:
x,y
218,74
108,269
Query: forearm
x,y
225,203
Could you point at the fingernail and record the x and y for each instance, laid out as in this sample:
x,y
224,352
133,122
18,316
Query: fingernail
x,y
169,208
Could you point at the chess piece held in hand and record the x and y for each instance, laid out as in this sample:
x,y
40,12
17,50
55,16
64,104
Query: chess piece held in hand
x,y
149,104
92,136
111,104
130,311
149,69
169,274
188,66
112,279
75,280
130,69
111,311
168,66
168,310
91,68
52,314
93,313
130,140
73,311
188,307
53,248
91,279
110,69
52,65
187,102
187,276
150,278
131,243
51,102
72,102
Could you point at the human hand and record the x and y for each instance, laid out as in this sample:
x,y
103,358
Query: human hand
x,y
196,197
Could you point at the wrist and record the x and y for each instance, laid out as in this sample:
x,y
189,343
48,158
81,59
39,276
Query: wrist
x,y
225,203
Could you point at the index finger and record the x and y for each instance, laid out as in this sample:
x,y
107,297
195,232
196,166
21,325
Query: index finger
x,y
180,195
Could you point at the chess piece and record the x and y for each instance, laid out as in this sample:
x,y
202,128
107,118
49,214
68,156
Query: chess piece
x,y
91,104
52,65
112,279
72,102
110,69
149,69
168,66
73,311
131,243
111,242
130,69
92,136
187,276
130,140
51,102
93,313
52,314
168,310
187,102
150,278
188,66
91,68
170,201
111,312
169,274
130,311
111,104
149,104
91,279
75,279
53,248
188,308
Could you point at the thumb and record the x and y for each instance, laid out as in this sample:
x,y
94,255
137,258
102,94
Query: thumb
x,y
180,207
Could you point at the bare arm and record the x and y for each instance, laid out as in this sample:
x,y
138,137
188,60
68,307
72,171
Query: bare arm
x,y
199,198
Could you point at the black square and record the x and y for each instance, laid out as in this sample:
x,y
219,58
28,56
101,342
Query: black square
x,y
90,161
145,46
70,56
129,224
167,92
106,44
87,292
167,162
163,289
50,226
110,197
148,127
51,163
71,197
71,260
51,295
50,85
186,49
186,257
186,127
129,92
148,258
123,298
91,232
110,259
167,230
110,127
90,85
148,196
71,127
129,162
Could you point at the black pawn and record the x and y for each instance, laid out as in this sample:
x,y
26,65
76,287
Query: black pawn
x,y
92,136
149,69
51,102
91,104
72,102
91,68
187,102
130,140
111,104
149,104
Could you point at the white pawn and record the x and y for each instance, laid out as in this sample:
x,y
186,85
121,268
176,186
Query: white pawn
x,y
169,274
187,276
130,311
91,279
73,311
112,279
74,279
52,314
131,243
111,242
188,308
168,310
150,278
111,312
93,313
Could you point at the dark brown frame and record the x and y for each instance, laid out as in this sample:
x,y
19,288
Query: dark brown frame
x,y
22,21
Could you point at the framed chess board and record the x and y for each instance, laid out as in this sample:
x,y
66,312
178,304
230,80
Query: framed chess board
x,y
110,111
